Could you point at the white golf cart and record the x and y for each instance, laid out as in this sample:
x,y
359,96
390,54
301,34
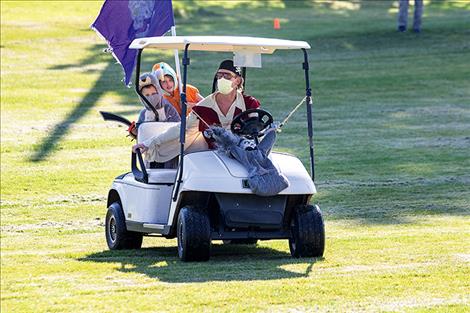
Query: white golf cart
x,y
207,196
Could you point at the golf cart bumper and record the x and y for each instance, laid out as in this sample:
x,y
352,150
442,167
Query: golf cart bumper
x,y
252,217
251,211
251,234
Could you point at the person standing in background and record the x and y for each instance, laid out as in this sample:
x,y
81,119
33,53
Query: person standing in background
x,y
403,15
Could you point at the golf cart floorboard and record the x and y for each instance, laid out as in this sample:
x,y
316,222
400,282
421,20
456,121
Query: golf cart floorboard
x,y
229,235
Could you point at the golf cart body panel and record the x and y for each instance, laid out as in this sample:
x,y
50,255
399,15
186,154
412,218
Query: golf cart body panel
x,y
155,197
205,171
216,172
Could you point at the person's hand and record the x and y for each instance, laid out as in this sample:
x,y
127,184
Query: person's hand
x,y
140,146
132,130
208,133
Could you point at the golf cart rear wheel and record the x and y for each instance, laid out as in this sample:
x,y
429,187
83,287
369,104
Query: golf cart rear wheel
x,y
117,235
194,234
308,232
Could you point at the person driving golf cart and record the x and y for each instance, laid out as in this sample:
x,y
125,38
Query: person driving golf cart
x,y
219,108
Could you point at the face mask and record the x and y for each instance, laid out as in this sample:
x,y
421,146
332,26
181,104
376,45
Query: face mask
x,y
155,100
224,86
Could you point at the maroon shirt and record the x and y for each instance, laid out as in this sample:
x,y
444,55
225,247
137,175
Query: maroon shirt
x,y
212,118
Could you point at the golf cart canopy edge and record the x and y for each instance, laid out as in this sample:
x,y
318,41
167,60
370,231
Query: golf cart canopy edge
x,y
219,43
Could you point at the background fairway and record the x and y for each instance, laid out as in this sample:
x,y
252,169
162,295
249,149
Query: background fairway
x,y
392,134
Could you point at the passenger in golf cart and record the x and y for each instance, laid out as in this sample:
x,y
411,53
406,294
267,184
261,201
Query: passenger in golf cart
x,y
219,108
171,91
151,90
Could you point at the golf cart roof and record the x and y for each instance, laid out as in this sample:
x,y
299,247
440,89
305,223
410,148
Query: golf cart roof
x,y
219,43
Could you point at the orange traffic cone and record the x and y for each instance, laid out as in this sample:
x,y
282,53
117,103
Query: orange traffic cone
x,y
277,23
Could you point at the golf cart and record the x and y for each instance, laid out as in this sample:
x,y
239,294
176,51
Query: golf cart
x,y
207,196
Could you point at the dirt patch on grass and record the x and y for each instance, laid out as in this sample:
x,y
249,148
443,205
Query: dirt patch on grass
x,y
419,181
377,267
398,306
463,257
68,226
76,198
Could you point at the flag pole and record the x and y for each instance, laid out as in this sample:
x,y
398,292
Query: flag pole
x,y
177,60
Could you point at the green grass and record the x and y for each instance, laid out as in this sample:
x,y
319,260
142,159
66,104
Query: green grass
x,y
392,127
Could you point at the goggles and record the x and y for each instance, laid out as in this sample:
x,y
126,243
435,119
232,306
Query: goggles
x,y
225,75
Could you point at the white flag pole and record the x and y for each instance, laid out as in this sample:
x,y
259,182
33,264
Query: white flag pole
x,y
177,61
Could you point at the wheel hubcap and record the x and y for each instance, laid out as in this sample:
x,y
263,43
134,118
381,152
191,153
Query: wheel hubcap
x,y
180,240
112,229
292,241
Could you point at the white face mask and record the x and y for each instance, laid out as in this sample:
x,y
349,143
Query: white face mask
x,y
224,86
155,100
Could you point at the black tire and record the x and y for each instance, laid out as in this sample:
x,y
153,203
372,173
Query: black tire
x,y
249,241
308,232
194,235
116,233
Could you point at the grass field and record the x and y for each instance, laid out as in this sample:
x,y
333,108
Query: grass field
x,y
392,134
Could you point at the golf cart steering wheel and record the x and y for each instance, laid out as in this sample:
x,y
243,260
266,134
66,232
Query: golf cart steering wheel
x,y
251,122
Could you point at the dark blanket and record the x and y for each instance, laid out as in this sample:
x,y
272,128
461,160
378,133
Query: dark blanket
x,y
263,177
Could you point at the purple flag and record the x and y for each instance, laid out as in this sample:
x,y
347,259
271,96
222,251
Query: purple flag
x,y
121,21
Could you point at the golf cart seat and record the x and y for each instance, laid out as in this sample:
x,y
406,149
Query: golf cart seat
x,y
148,130
157,172
162,175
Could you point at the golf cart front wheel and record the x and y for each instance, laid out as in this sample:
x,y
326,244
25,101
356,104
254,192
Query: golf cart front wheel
x,y
194,234
308,232
117,235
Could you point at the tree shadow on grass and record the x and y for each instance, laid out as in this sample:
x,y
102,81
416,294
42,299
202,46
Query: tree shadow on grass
x,y
227,263
102,85
109,80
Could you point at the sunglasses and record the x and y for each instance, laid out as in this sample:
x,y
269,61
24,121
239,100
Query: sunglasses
x,y
225,75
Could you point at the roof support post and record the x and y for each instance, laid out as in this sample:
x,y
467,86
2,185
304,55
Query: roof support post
x,y
137,76
244,76
137,70
183,122
308,97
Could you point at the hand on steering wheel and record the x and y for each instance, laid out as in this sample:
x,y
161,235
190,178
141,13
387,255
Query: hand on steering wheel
x,y
251,122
